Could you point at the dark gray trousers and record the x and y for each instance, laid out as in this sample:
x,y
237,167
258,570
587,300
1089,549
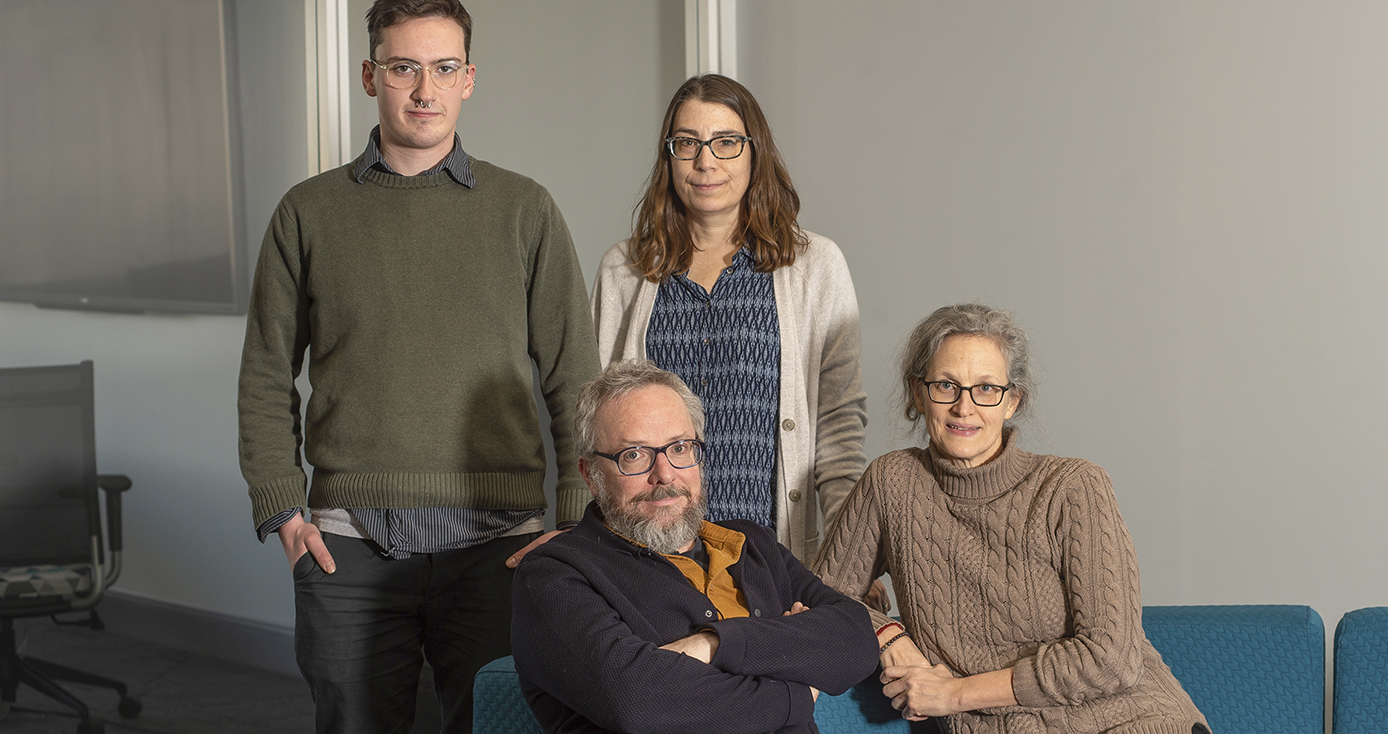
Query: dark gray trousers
x,y
362,633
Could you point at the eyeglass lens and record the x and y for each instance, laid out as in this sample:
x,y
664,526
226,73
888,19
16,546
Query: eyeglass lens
x,y
687,149
985,396
405,74
641,459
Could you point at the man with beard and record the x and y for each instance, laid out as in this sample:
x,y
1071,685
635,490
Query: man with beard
x,y
645,617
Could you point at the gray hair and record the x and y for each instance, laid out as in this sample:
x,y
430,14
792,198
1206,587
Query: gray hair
x,y
623,378
973,319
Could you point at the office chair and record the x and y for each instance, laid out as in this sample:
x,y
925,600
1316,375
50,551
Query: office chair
x,y
52,559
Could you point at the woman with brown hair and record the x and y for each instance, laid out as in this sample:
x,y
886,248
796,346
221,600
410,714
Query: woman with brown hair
x,y
720,285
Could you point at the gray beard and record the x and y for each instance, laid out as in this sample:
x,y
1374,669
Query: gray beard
x,y
647,530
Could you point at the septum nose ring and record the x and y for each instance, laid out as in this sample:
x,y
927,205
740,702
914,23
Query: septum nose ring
x,y
423,104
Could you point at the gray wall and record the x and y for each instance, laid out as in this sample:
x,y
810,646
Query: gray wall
x,y
569,94
564,89
166,385
1182,202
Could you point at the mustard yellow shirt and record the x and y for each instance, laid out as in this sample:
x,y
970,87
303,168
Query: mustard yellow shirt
x,y
724,549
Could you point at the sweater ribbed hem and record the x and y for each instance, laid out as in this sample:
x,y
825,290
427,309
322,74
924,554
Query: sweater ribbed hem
x,y
569,506
1162,726
479,490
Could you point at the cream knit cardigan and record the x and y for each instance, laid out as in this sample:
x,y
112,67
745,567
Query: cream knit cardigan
x,y
823,409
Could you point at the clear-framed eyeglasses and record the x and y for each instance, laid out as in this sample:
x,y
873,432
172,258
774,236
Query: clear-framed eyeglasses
x,y
405,74
722,147
984,395
635,460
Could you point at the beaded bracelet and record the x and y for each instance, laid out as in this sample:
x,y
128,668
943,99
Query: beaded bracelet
x,y
891,642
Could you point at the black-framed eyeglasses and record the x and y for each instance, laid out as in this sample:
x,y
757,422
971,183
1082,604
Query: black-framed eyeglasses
x,y
635,460
984,395
722,147
404,74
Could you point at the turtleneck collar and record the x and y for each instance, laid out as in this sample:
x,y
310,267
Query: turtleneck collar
x,y
998,476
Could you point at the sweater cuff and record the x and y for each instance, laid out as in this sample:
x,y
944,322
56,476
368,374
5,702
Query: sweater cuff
x,y
1025,687
879,618
801,704
276,496
732,646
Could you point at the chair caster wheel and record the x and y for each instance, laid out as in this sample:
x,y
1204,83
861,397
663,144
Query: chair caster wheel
x,y
129,708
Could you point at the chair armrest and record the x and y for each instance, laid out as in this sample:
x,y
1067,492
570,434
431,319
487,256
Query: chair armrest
x,y
114,484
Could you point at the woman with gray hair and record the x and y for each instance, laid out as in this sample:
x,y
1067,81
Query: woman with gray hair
x,y
1016,577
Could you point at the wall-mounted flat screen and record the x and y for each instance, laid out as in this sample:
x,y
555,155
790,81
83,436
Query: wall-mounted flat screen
x,y
117,184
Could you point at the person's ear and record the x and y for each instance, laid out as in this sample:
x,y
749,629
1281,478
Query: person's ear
x,y
1014,400
368,77
918,395
469,81
583,468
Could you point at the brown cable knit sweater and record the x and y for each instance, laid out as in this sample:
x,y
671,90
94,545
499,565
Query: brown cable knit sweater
x,y
1023,562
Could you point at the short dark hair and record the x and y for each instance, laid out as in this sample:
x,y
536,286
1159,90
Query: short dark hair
x,y
386,13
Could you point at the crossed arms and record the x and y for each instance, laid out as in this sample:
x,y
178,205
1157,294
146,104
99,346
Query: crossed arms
x,y
587,641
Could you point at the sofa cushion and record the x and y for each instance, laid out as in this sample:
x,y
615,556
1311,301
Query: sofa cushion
x,y
1249,668
1361,671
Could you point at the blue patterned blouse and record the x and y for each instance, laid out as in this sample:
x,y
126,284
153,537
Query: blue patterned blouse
x,y
726,345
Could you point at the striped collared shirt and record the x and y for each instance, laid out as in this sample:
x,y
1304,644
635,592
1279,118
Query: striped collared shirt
x,y
455,163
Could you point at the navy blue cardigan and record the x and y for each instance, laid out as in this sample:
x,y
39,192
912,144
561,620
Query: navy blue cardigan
x,y
591,610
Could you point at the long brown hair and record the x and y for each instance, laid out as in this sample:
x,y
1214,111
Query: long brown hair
x,y
661,244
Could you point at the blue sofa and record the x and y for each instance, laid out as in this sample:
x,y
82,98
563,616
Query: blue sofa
x,y
1256,668
497,704
1361,672
1248,668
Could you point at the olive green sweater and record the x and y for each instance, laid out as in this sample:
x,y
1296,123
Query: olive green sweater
x,y
422,304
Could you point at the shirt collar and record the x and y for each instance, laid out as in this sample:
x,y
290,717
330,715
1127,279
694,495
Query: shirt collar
x,y
455,163
742,259
742,263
